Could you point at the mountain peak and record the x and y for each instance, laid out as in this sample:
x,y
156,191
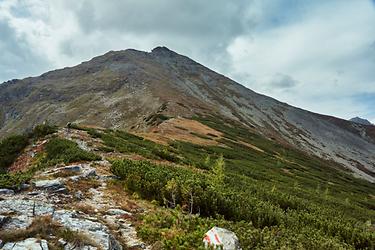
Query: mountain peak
x,y
360,121
164,51
132,89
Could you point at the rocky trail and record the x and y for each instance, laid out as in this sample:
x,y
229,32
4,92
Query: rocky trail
x,y
76,198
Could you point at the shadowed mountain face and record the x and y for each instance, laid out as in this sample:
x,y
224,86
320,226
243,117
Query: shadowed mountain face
x,y
360,121
122,89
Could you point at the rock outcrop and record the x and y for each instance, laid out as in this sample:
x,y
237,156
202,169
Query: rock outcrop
x,y
28,244
94,214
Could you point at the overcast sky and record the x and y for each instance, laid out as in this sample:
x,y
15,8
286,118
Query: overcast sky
x,y
318,55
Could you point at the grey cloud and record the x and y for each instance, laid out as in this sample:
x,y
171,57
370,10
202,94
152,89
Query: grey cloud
x,y
282,82
16,58
223,18
202,29
249,40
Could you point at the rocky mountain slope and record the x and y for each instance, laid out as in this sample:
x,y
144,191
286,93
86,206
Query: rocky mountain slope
x,y
360,121
138,90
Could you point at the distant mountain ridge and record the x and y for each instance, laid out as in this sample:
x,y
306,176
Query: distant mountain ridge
x,y
123,89
360,121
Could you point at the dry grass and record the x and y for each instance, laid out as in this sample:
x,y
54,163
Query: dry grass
x,y
87,183
82,185
86,208
252,146
121,198
25,160
41,226
64,174
182,129
102,169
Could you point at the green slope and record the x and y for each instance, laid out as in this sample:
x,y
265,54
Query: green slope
x,y
273,198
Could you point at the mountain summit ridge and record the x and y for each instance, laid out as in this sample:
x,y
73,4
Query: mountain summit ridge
x,y
122,89
360,120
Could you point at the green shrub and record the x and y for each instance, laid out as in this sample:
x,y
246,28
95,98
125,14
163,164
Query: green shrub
x,y
74,126
176,230
10,148
196,192
42,130
62,150
165,154
93,132
14,180
273,198
211,195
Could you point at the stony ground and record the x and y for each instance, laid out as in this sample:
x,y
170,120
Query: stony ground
x,y
76,197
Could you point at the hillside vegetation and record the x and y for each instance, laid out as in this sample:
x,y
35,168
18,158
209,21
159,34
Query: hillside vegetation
x,y
56,151
271,196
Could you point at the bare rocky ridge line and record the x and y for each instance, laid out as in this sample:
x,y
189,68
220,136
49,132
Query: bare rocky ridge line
x,y
121,89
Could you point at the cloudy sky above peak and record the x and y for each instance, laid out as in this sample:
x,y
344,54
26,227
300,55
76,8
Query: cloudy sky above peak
x,y
318,55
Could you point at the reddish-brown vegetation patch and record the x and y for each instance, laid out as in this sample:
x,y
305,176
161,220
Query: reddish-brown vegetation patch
x,y
182,129
24,161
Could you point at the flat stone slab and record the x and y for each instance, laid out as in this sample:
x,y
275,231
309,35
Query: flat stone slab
x,y
28,244
5,191
116,211
24,211
97,231
49,184
72,168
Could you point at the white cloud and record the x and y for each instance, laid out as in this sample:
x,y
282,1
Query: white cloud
x,y
328,51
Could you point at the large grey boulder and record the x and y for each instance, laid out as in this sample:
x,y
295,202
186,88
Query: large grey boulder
x,y
49,184
23,212
72,168
4,191
28,244
89,172
95,230
221,238
116,211
26,207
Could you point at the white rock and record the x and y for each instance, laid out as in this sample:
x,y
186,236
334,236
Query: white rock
x,y
44,244
79,195
61,191
90,172
5,191
49,184
24,211
97,231
72,168
28,244
221,238
62,242
86,172
25,207
116,211
18,222
24,186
